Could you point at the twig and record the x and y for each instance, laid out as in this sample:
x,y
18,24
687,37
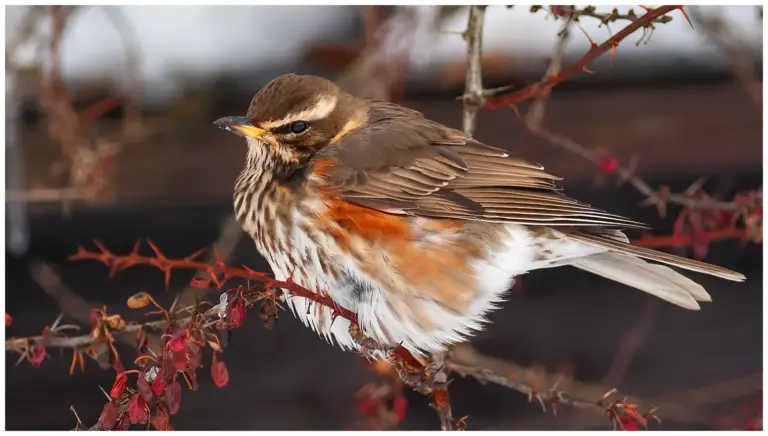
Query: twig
x,y
379,71
496,101
219,273
473,97
441,400
652,196
132,107
534,118
84,341
71,303
737,50
631,341
549,390
44,195
230,235
591,11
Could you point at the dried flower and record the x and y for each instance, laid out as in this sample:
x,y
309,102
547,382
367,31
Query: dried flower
x,y
139,301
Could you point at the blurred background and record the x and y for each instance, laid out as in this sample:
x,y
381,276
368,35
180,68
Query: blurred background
x,y
109,135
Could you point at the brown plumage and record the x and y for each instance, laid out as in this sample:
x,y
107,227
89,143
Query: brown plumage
x,y
413,225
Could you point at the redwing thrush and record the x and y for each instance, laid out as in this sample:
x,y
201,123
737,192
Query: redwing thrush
x,y
414,226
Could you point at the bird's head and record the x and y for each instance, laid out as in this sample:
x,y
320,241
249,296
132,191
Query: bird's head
x,y
295,116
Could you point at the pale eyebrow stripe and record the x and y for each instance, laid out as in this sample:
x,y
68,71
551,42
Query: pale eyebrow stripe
x,y
320,110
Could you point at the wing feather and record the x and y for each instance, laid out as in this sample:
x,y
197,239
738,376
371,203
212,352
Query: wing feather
x,y
401,163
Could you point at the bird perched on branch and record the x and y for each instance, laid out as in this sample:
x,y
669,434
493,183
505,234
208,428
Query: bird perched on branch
x,y
416,227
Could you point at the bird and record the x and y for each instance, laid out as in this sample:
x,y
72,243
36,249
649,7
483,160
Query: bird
x,y
417,228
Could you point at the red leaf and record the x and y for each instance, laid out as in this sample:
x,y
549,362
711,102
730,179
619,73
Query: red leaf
x,y
95,318
236,312
145,390
178,343
627,424
160,420
123,424
38,354
179,360
173,397
195,356
368,407
137,409
108,416
400,406
159,384
167,370
8,320
219,373
118,387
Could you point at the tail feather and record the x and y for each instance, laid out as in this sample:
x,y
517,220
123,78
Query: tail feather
x,y
657,280
614,243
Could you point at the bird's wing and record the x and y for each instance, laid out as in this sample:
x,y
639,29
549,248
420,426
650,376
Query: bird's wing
x,y
402,163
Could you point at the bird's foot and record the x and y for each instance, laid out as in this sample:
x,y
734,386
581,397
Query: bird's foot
x,y
369,347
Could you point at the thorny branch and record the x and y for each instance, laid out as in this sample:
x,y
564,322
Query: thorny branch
x,y
219,273
511,99
462,359
659,198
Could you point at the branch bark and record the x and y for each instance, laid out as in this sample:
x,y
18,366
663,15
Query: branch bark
x,y
473,97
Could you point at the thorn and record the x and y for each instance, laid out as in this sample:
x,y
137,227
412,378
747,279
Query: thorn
x,y
629,172
219,260
586,70
56,323
195,255
79,253
614,44
517,111
113,271
105,393
79,421
685,14
592,44
157,251
167,272
136,247
695,186
101,246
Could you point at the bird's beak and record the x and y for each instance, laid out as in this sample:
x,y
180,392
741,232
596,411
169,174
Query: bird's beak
x,y
239,126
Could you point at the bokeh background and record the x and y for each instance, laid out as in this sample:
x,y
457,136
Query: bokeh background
x,y
109,135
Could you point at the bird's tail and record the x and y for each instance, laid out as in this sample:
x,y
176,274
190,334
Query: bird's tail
x,y
624,263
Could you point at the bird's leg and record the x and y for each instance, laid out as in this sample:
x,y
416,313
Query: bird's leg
x,y
437,378
368,346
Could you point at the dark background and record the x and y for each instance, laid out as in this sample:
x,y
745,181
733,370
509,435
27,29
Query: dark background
x,y
174,187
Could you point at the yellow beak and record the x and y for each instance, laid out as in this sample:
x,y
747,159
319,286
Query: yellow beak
x,y
239,126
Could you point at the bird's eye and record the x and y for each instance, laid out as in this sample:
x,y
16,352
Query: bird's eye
x,y
299,127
